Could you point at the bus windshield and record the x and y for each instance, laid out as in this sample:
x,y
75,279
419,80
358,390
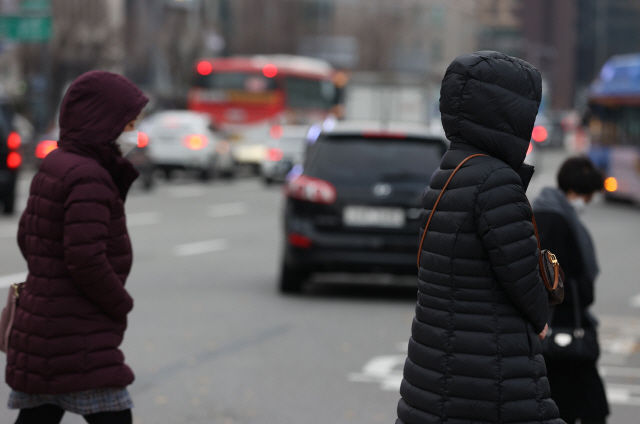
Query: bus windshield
x,y
615,126
246,81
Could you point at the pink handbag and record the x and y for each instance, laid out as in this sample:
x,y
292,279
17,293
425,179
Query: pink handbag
x,y
8,313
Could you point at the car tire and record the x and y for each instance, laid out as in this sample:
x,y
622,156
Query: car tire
x,y
206,175
8,206
229,174
255,169
292,279
147,180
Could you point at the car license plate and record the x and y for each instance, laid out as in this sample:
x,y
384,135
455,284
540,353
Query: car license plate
x,y
366,216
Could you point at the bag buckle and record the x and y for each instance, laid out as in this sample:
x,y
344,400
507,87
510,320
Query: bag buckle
x,y
16,288
552,258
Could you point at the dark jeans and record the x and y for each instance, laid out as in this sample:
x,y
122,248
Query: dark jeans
x,y
587,421
52,414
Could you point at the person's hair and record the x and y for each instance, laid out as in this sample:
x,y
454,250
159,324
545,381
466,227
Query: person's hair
x,y
579,174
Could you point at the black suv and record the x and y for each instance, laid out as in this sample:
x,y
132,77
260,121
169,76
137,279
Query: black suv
x,y
10,161
356,203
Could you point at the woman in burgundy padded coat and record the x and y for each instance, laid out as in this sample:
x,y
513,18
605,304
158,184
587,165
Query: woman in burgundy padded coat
x,y
63,351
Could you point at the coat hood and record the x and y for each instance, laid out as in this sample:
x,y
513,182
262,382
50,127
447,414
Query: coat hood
x,y
95,110
489,101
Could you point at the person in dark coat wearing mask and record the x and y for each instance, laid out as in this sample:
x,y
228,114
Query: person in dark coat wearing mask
x,y
63,350
475,353
576,385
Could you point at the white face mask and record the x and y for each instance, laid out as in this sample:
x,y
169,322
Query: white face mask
x,y
579,205
127,141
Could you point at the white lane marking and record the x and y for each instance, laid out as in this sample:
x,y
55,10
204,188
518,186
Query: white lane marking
x,y
9,230
7,280
185,192
227,209
200,247
385,370
620,345
612,371
143,218
623,394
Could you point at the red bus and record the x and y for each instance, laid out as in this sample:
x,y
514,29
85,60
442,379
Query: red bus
x,y
247,95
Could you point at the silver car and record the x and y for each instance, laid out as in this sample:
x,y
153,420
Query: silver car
x,y
185,140
284,149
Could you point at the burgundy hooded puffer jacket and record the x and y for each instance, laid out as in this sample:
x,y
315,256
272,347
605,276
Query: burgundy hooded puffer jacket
x,y
73,310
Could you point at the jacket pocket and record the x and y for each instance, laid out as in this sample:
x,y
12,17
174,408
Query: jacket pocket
x,y
529,333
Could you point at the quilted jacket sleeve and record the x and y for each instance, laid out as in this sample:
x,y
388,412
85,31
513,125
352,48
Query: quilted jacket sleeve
x,y
504,223
86,226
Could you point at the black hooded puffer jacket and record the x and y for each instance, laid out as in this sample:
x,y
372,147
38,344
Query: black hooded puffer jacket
x,y
474,355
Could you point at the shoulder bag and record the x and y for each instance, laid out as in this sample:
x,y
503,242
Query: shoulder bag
x,y
566,343
550,271
8,314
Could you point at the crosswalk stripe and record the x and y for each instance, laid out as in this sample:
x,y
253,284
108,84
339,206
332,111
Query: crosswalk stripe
x,y
200,247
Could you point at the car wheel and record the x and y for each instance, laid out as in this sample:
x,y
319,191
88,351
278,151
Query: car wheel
x,y
206,175
230,172
147,180
255,169
292,279
9,204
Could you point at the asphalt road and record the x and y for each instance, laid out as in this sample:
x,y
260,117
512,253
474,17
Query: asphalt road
x,y
212,341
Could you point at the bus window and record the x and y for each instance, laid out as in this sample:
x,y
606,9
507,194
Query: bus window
x,y
310,93
235,81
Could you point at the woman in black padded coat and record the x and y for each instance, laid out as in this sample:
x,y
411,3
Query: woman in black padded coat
x,y
474,353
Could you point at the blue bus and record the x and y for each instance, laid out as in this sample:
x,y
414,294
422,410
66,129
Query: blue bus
x,y
613,120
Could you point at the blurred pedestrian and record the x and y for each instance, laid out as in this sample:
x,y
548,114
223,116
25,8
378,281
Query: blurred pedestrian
x,y
575,384
63,352
474,352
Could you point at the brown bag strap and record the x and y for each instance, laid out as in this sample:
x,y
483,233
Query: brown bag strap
x,y
438,201
540,262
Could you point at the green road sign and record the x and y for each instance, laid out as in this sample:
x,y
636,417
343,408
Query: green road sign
x,y
25,28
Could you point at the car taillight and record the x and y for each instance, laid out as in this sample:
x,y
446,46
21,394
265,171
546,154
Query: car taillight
x,y
143,139
14,141
311,190
274,154
539,134
45,147
383,134
300,241
14,160
196,141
